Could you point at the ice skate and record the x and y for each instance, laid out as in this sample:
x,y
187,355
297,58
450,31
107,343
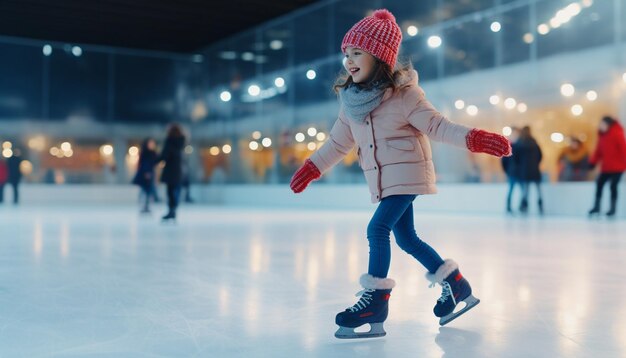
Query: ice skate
x,y
595,211
456,289
523,208
612,210
170,217
371,309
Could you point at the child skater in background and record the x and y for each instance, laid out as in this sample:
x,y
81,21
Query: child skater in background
x,y
384,113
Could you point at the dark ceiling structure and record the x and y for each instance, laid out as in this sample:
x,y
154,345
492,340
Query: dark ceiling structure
x,y
182,26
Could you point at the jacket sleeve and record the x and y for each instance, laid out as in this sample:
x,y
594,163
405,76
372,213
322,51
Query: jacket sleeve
x,y
597,154
621,145
539,154
425,118
338,145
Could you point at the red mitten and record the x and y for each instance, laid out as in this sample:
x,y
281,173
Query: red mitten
x,y
306,174
480,141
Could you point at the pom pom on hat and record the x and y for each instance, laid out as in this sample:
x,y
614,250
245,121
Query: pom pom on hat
x,y
378,35
384,14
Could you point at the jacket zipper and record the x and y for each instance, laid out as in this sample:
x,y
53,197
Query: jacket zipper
x,y
377,167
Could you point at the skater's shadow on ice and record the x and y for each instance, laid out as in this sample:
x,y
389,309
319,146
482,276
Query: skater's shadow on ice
x,y
458,342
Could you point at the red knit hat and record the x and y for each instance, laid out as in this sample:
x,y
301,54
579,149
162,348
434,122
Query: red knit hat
x,y
378,35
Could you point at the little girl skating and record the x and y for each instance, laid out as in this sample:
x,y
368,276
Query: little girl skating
x,y
385,114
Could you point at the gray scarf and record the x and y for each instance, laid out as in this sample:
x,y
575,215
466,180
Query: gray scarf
x,y
358,103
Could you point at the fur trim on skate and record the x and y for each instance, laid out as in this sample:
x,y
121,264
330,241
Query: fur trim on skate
x,y
443,271
374,283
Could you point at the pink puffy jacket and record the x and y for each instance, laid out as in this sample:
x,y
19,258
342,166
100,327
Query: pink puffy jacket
x,y
393,147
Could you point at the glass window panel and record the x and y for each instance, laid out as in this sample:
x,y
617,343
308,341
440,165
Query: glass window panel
x,y
515,26
412,13
192,86
223,60
246,97
78,85
222,76
277,47
593,26
246,48
238,71
145,89
312,36
424,58
454,8
469,46
318,89
276,92
277,59
21,78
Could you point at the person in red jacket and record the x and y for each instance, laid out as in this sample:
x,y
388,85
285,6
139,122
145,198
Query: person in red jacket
x,y
385,114
611,152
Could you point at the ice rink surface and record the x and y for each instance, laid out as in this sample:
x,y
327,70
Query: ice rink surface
x,y
252,282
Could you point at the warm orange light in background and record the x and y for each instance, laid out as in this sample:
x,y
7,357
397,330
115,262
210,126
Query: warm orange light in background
x,y
37,143
26,167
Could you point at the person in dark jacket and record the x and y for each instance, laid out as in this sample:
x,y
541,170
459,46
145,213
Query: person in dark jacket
x,y
172,155
509,169
4,176
186,182
144,177
526,158
15,174
611,152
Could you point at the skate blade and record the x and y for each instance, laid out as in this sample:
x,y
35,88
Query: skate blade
x,y
376,330
470,302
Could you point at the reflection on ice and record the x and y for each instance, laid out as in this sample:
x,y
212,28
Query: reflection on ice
x,y
90,280
37,239
65,239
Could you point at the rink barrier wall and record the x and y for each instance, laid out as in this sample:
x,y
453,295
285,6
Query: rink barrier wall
x,y
568,199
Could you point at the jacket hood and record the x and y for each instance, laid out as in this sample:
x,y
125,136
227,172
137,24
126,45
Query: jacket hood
x,y
616,127
407,78
404,80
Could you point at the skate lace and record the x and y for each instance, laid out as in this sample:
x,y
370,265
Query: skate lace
x,y
366,299
445,293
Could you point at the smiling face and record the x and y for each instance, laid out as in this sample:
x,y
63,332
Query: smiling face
x,y
359,64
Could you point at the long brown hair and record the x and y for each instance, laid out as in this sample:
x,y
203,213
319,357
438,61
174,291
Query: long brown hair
x,y
382,75
609,120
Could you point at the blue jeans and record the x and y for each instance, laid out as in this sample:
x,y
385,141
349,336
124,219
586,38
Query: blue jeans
x,y
396,213
173,191
512,183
